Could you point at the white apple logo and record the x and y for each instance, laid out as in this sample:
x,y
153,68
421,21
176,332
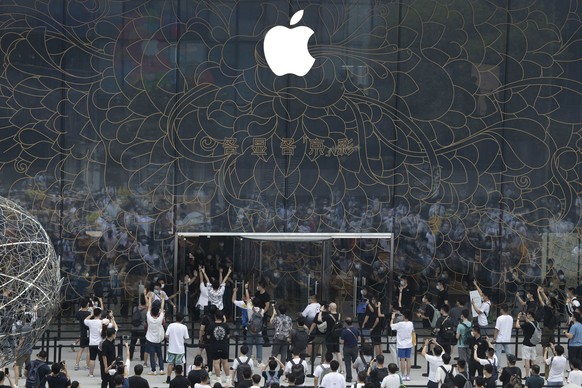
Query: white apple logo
x,y
286,49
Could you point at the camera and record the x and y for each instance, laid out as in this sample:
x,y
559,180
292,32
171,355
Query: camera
x,y
125,337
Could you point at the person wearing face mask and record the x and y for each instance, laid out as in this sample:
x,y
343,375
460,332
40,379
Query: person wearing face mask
x,y
406,295
442,294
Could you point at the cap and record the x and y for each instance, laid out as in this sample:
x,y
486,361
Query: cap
x,y
511,359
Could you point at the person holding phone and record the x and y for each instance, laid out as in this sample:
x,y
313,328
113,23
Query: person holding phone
x,y
3,377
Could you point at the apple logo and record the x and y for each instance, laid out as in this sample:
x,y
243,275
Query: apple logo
x,y
286,49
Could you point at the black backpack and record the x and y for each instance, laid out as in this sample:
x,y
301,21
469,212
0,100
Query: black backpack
x,y
380,373
448,332
33,376
299,339
136,318
449,379
241,368
298,372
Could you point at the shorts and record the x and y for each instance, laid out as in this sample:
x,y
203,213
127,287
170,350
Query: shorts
x,y
22,360
93,352
218,351
332,347
404,353
176,359
84,342
528,353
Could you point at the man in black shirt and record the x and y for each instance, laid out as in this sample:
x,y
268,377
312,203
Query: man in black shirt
x,y
107,357
263,300
42,368
482,346
137,381
509,371
180,381
59,378
406,295
462,375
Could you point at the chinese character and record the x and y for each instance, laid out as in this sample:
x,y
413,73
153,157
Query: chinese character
x,y
287,147
259,147
315,148
345,147
230,146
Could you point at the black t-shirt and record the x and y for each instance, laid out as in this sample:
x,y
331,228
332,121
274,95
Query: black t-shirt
x,y
482,346
460,379
489,383
58,381
81,315
507,372
179,382
549,320
108,350
262,299
331,320
372,314
217,332
407,295
195,376
442,296
245,384
138,382
428,313
528,330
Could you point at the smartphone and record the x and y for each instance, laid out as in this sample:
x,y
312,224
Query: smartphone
x,y
6,371
125,337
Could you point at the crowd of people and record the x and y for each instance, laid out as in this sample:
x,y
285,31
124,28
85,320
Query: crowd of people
x,y
463,340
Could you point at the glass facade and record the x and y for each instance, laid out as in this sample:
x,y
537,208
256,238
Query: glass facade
x,y
454,124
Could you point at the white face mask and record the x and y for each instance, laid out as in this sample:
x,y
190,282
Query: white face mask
x,y
402,282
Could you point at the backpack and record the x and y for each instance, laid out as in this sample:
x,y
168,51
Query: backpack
x,y
495,374
448,380
322,327
514,381
468,383
466,334
380,374
448,332
33,377
323,373
338,326
298,372
271,379
435,316
241,368
536,337
136,320
284,328
299,340
255,323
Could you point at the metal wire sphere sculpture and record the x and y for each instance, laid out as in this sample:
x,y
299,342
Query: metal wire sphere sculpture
x,y
29,281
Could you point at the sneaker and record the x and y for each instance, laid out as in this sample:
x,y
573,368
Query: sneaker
x,y
72,347
90,375
76,367
153,373
162,372
168,380
261,365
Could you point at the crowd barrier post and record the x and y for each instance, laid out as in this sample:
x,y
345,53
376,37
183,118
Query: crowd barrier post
x,y
517,345
55,339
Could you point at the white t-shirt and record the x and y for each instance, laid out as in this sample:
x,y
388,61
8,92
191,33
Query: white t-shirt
x,y
333,380
403,334
177,333
391,381
203,298
94,326
288,366
575,377
199,385
482,318
155,333
215,296
558,365
504,325
311,310
319,370
433,364
243,359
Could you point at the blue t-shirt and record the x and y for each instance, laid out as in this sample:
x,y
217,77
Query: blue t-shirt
x,y
350,336
576,331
